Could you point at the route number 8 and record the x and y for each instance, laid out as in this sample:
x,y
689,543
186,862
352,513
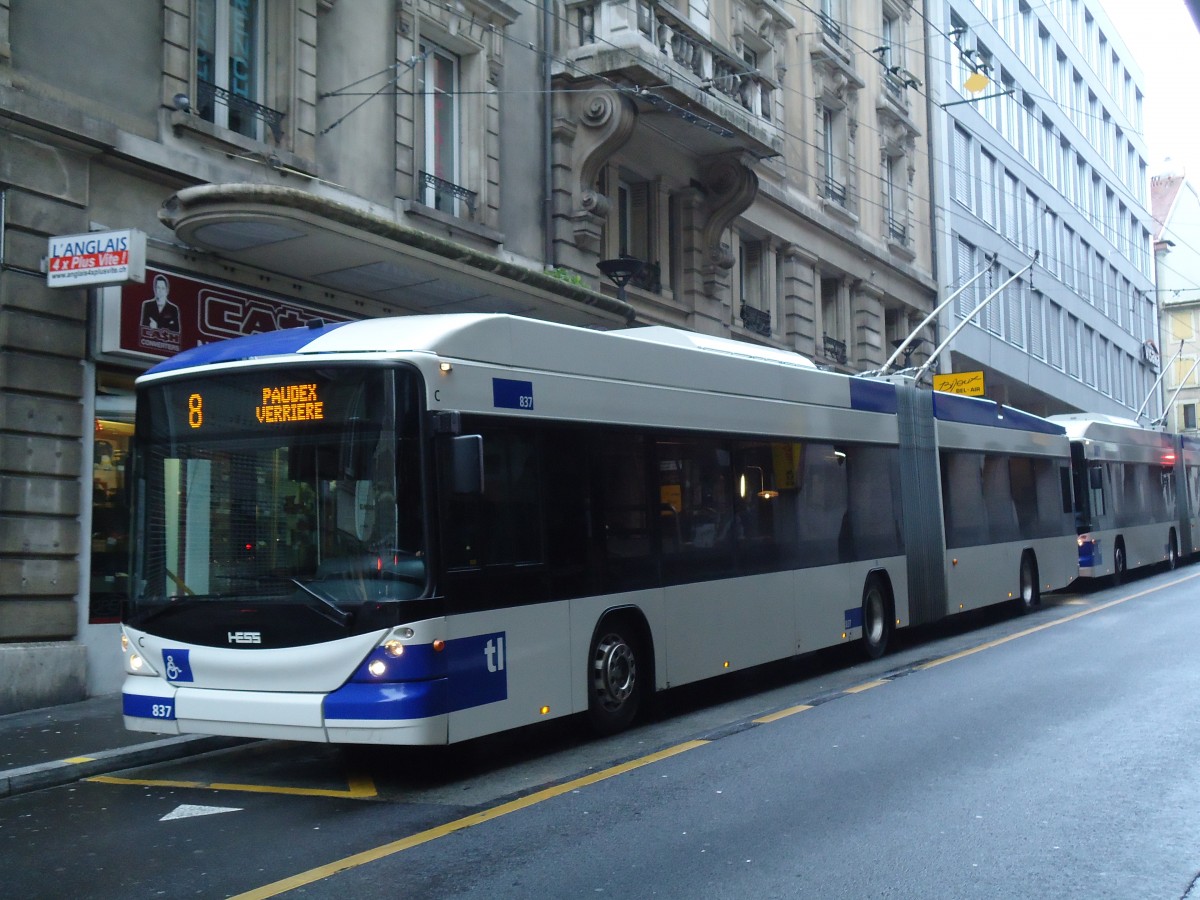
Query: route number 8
x,y
195,410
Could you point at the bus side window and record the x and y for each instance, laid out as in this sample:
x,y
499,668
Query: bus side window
x,y
1096,490
500,525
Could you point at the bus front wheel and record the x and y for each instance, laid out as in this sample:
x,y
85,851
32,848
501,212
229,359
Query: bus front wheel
x,y
615,683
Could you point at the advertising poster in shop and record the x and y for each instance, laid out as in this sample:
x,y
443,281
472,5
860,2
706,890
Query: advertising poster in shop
x,y
171,312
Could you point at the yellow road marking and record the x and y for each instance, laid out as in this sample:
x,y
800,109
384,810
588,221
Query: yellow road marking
x,y
859,688
76,760
360,788
432,834
782,714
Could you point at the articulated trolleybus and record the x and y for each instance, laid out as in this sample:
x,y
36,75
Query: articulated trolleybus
x,y
425,529
1137,494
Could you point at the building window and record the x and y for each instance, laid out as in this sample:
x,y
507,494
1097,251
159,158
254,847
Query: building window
x,y
831,20
752,286
441,172
965,270
1189,417
895,199
632,226
229,66
832,320
633,219
833,156
964,169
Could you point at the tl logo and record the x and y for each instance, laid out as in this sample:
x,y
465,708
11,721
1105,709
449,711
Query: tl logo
x,y
493,651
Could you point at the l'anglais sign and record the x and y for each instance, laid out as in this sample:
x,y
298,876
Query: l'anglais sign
x,y
98,257
173,312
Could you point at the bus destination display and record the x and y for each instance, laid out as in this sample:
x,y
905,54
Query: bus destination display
x,y
286,403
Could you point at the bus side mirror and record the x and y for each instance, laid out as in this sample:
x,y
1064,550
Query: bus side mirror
x,y
466,464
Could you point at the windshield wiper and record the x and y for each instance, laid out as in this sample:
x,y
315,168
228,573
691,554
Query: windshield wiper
x,y
331,609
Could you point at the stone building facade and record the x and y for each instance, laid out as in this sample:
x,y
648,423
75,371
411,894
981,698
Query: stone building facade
x,y
765,166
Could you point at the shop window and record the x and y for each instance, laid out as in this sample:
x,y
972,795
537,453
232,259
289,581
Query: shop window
x,y
111,440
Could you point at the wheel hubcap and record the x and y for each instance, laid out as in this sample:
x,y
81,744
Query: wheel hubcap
x,y
615,671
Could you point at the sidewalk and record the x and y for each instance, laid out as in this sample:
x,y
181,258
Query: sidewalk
x,y
58,745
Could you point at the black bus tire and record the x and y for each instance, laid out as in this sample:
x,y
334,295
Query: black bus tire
x,y
616,675
1030,596
1119,562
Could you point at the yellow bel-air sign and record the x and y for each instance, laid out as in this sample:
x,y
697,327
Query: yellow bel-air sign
x,y
970,383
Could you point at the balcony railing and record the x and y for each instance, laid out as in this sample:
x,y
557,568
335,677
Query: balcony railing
x,y
830,28
674,37
897,232
835,192
835,349
239,107
445,192
756,320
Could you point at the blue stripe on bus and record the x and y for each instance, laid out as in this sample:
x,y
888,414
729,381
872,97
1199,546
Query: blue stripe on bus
x,y
471,671
872,396
976,411
378,702
271,343
853,618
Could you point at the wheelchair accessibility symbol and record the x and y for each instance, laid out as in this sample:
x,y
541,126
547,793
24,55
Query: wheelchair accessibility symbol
x,y
176,664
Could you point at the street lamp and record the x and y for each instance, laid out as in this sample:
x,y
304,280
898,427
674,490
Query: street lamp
x,y
621,271
908,351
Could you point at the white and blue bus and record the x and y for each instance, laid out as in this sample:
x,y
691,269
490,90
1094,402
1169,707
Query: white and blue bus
x,y
1137,494
426,529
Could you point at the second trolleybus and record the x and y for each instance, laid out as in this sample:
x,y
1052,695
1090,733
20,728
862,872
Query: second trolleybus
x,y
1137,494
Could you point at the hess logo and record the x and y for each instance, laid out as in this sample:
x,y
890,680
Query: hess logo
x,y
245,637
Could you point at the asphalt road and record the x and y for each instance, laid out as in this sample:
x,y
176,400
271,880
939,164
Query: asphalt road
x,y
1052,755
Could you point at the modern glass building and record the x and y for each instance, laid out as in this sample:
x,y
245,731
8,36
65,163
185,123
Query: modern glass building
x,y
1040,166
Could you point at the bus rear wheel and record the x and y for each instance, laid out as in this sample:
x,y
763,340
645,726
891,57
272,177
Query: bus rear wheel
x,y
615,684
1172,553
1119,564
1031,594
876,617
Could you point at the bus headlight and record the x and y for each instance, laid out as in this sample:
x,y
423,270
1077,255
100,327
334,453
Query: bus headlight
x,y
135,664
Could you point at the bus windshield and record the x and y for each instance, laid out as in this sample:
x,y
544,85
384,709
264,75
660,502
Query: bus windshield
x,y
279,485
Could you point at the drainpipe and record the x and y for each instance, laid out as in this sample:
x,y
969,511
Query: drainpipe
x,y
547,140
933,126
